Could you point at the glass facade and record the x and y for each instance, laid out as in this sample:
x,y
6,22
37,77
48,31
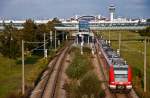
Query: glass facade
x,y
83,26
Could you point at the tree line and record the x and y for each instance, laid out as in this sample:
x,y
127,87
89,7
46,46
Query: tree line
x,y
145,32
11,37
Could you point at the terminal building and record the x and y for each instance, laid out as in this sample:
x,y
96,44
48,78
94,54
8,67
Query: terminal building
x,y
97,22
84,33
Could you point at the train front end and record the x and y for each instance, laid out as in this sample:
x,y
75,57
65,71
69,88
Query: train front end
x,y
120,78
120,75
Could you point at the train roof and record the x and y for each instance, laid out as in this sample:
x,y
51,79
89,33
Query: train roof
x,y
114,58
108,50
118,66
112,54
118,61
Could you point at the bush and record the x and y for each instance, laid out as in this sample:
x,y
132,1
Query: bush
x,y
90,85
79,67
15,95
72,89
145,32
84,84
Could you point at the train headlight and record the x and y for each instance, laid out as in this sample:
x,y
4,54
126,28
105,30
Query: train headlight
x,y
129,86
112,82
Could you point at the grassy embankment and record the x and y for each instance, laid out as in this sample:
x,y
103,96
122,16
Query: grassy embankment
x,y
10,74
132,51
11,71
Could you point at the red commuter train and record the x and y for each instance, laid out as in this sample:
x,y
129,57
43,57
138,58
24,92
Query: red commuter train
x,y
120,75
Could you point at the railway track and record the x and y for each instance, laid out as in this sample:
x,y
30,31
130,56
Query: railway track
x,y
103,67
47,87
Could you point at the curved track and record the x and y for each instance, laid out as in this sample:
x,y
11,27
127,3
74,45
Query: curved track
x,y
47,87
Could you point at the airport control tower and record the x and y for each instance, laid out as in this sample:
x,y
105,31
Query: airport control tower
x,y
111,11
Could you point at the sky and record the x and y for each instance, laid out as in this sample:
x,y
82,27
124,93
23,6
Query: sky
x,y
44,9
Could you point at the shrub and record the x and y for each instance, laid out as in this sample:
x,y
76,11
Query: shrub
x,y
15,95
90,85
72,90
79,67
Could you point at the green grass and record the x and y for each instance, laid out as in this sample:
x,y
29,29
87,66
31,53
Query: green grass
x,y
10,73
9,76
132,51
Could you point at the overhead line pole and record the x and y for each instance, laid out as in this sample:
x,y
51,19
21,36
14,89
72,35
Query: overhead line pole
x,y
145,65
23,81
109,38
44,47
51,39
119,42
23,73
55,39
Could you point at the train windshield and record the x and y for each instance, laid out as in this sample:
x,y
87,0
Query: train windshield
x,y
121,75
